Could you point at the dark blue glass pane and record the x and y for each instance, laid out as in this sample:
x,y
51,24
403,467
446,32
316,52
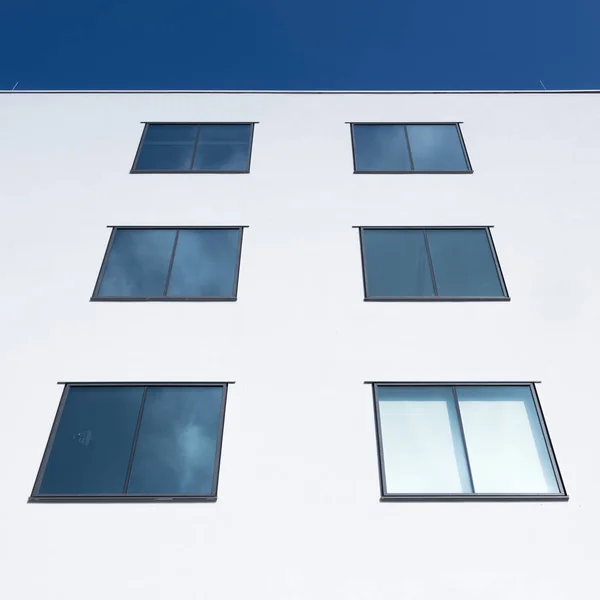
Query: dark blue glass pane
x,y
380,148
221,157
171,133
205,263
463,263
138,263
225,134
396,263
165,157
436,148
177,443
91,450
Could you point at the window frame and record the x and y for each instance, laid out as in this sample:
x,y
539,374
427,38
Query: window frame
x,y
465,497
135,171
35,497
504,298
457,124
95,298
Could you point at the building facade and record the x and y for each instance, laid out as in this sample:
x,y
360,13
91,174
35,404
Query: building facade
x,y
322,490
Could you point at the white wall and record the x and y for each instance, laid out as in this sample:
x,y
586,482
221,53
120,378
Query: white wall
x,y
298,514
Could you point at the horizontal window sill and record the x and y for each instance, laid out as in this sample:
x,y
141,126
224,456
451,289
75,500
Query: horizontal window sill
x,y
474,498
438,299
127,499
413,172
159,299
186,171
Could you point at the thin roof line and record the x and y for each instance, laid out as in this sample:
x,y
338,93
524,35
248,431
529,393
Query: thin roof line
x,y
292,92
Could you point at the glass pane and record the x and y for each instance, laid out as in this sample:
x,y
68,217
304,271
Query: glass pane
x,y
436,148
165,157
219,134
171,133
177,443
506,446
396,263
91,450
138,263
205,263
380,148
221,157
422,447
463,263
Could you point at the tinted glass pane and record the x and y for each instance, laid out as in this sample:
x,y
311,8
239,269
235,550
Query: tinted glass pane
x,y
436,148
91,450
165,157
463,263
380,148
138,263
171,133
221,157
205,263
396,263
505,442
422,447
177,443
225,134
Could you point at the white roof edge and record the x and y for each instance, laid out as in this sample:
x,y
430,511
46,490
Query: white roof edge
x,y
17,91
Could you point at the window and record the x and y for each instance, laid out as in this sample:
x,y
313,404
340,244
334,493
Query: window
x,y
134,441
194,148
409,148
464,441
404,263
186,263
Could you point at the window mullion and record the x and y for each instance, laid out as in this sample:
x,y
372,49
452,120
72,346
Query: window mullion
x,y
171,263
412,164
135,438
435,290
463,439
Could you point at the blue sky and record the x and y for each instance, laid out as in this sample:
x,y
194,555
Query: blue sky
x,y
287,44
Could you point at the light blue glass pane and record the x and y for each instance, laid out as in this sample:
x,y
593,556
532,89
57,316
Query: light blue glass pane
x,y
225,134
91,450
422,446
171,133
205,263
177,443
463,263
221,157
138,263
396,263
165,157
505,442
436,148
380,148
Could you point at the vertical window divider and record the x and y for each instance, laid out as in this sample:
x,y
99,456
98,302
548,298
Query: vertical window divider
x,y
168,279
135,438
463,438
430,260
412,164
195,148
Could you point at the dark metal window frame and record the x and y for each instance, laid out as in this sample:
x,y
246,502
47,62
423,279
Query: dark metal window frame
x,y
212,497
165,298
457,124
504,298
468,497
135,171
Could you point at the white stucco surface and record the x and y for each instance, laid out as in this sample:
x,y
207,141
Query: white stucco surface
x,y
298,514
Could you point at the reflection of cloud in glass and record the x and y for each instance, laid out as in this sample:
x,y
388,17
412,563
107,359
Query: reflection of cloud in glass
x,y
436,148
205,263
380,148
177,442
223,148
138,263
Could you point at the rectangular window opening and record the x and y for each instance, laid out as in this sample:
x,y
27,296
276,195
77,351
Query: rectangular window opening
x,y
469,441
123,442
409,148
